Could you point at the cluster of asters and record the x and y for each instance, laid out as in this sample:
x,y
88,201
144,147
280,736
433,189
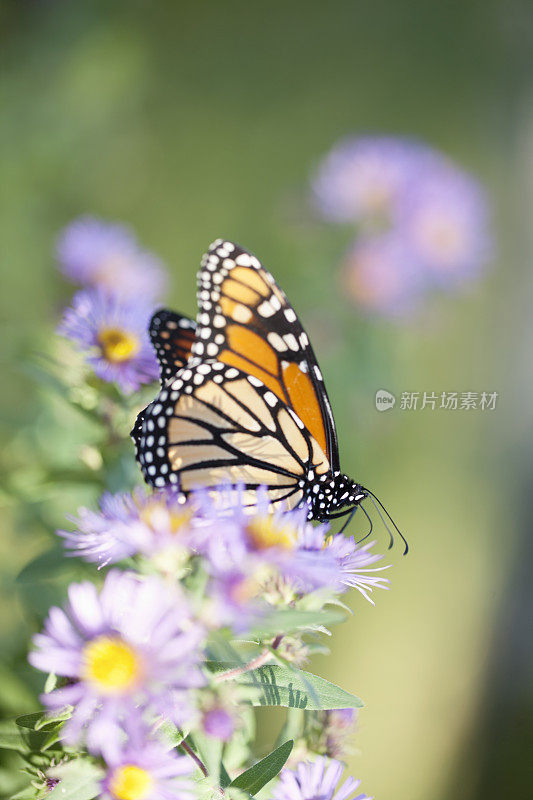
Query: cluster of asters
x,y
422,222
128,655
121,284
131,657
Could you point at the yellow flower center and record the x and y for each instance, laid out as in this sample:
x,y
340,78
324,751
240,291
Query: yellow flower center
x,y
131,783
110,664
118,345
264,533
156,516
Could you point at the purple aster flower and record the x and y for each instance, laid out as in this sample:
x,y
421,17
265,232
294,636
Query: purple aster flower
x,y
103,255
381,274
258,543
444,220
114,337
143,769
353,561
317,780
153,524
362,178
133,644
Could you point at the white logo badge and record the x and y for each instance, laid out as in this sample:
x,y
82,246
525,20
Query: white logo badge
x,y
384,400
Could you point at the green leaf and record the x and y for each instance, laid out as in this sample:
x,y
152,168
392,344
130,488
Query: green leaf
x,y
23,740
44,566
225,779
50,565
44,720
295,688
289,620
29,720
220,650
253,780
79,780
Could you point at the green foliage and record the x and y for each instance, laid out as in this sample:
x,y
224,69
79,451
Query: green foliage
x,y
40,720
291,620
253,779
295,688
79,780
32,733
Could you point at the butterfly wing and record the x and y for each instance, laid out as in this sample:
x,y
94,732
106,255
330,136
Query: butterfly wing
x,y
215,424
246,321
172,336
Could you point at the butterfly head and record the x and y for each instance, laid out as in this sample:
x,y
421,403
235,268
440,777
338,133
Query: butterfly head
x,y
331,493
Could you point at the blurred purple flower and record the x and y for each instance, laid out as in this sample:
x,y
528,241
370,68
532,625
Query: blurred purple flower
x,y
141,768
362,178
105,255
132,645
444,220
234,599
382,275
317,780
113,335
218,723
338,726
424,222
125,525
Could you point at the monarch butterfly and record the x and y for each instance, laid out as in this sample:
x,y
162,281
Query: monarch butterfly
x,y
242,399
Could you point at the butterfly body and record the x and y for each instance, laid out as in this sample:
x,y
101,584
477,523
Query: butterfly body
x,y
242,400
335,491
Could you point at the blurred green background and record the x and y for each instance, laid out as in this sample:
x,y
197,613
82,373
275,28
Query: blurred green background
x,y
192,120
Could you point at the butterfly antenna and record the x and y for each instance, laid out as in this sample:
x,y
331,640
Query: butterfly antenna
x,y
367,515
378,505
352,512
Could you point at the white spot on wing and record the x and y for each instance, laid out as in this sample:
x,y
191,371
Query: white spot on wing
x,y
276,341
266,309
291,341
290,316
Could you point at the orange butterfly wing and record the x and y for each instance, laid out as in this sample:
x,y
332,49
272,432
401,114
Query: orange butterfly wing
x,y
246,321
